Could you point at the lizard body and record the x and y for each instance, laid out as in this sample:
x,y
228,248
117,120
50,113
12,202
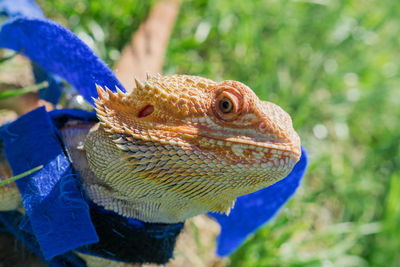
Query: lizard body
x,y
180,145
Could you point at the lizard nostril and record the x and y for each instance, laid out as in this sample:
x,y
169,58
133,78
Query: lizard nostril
x,y
146,111
262,126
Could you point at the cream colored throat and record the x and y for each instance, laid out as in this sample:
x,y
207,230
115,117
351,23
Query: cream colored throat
x,y
153,182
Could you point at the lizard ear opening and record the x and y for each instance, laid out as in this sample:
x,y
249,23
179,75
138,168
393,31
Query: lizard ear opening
x,y
146,111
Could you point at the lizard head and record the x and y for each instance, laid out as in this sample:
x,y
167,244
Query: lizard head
x,y
218,140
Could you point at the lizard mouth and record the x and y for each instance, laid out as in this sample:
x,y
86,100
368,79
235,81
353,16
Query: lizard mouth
x,y
289,148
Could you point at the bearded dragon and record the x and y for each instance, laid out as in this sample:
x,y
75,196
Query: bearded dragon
x,y
178,146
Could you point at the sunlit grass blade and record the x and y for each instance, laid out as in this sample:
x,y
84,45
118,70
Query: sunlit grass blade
x,y
25,90
22,175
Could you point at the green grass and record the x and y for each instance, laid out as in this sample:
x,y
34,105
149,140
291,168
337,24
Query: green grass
x,y
22,175
334,66
22,91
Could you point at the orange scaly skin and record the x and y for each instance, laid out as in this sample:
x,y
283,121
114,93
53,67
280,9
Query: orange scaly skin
x,y
179,145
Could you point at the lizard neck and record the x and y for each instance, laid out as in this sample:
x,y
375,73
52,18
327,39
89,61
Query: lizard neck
x,y
111,180
154,182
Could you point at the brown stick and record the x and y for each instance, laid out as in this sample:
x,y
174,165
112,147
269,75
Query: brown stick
x,y
145,54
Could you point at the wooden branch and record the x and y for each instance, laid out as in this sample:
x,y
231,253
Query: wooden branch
x,y
145,54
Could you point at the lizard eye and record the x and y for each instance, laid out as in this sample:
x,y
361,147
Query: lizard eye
x,y
225,105
228,103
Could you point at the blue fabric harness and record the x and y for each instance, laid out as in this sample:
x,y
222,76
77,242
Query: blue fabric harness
x,y
51,197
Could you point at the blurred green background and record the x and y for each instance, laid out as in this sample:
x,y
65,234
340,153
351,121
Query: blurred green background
x,y
334,66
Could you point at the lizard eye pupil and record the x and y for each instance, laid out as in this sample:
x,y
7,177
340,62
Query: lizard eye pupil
x,y
226,105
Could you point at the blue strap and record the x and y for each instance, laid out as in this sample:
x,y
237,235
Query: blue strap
x,y
57,211
29,8
59,51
